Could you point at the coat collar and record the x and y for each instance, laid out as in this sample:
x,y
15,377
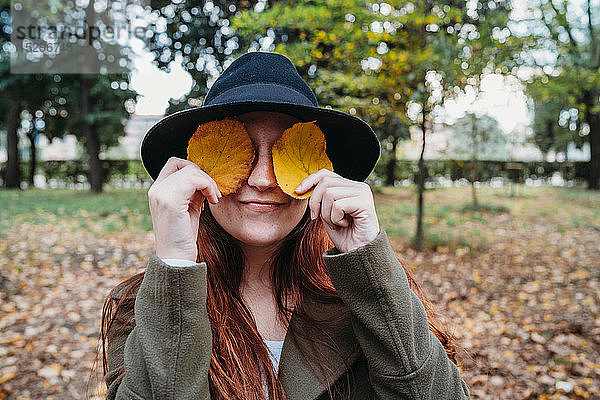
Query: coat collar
x,y
296,376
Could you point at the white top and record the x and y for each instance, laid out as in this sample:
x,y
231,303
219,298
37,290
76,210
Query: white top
x,y
274,347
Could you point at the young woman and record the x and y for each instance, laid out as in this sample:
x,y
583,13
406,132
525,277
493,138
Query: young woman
x,y
261,295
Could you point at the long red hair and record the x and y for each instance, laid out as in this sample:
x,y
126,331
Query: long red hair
x,y
240,363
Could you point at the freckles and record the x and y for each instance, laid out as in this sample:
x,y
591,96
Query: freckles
x,y
224,211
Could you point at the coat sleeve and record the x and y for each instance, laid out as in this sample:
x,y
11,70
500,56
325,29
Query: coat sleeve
x,y
167,350
405,359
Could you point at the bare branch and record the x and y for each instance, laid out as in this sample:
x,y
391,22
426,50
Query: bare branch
x,y
595,54
563,18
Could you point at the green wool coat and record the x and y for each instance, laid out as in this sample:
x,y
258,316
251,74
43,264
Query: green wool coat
x,y
386,341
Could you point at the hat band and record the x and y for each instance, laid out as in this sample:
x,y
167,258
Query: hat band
x,y
261,92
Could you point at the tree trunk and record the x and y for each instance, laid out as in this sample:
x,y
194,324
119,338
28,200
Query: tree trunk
x,y
418,240
32,156
474,162
594,170
475,204
12,179
92,143
593,120
391,165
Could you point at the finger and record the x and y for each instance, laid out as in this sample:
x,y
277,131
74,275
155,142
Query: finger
x,y
332,194
173,164
184,183
346,208
313,179
215,186
215,194
193,168
316,198
338,210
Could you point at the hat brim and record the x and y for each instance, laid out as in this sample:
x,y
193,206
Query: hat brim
x,y
351,144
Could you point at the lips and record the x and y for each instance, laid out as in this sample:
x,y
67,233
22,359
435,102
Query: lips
x,y
277,203
261,205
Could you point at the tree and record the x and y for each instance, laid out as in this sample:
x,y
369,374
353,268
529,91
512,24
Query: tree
x,y
200,36
569,30
32,125
478,138
95,110
15,100
378,61
555,123
96,115
92,106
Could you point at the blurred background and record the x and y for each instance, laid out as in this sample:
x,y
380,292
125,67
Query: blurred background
x,y
488,113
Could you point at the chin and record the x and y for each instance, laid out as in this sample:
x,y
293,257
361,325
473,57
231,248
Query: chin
x,y
260,238
257,229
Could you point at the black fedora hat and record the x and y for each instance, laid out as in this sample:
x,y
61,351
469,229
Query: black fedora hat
x,y
261,81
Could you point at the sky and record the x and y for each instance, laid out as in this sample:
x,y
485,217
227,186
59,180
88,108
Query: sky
x,y
156,87
500,97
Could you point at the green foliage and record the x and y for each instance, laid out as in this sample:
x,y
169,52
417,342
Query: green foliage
x,y
486,169
566,86
554,126
199,34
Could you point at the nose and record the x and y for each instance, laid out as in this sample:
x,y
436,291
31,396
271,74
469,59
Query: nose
x,y
262,175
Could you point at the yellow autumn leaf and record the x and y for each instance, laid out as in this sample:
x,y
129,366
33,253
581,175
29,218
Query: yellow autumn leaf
x,y
223,149
7,376
299,152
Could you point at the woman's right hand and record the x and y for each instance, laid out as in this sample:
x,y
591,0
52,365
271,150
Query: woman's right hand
x,y
175,200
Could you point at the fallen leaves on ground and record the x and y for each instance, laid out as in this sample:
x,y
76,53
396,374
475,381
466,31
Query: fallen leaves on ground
x,y
52,285
524,304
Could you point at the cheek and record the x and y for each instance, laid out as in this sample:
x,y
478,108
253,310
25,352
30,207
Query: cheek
x,y
299,207
223,212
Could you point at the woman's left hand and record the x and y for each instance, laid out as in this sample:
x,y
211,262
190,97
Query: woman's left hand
x,y
345,206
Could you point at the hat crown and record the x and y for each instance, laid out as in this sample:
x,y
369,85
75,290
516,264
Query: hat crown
x,y
260,69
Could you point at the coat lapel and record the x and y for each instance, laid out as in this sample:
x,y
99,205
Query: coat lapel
x,y
296,376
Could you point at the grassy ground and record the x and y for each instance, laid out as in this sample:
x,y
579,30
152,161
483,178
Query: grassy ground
x,y
447,211
449,220
114,210
517,282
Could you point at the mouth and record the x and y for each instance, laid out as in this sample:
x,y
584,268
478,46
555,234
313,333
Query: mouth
x,y
260,205
258,201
